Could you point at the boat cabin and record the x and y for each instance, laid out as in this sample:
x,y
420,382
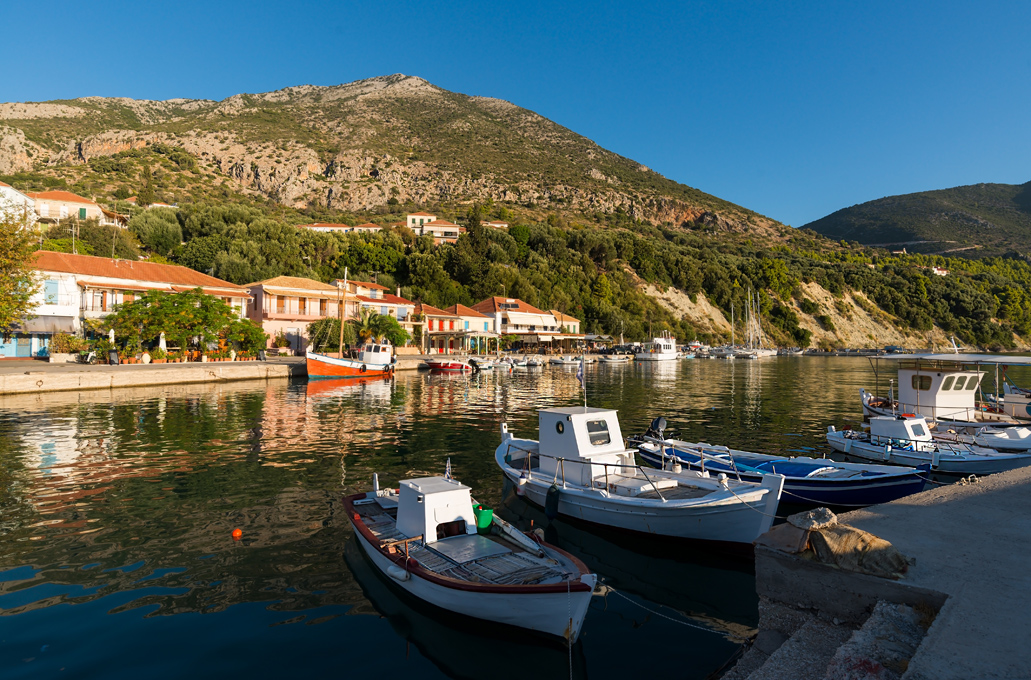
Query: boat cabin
x,y
947,392
588,440
375,353
666,344
434,508
899,429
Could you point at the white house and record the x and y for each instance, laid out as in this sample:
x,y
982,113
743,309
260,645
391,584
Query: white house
x,y
416,220
78,287
16,205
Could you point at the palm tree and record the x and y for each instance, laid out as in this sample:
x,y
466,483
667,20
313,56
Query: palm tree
x,y
372,326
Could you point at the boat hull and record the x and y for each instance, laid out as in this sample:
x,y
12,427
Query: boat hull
x,y
649,356
855,492
449,366
321,366
946,463
559,613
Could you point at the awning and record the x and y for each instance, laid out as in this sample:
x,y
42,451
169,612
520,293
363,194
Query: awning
x,y
524,319
48,324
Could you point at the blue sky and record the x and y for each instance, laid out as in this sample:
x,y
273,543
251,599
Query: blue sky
x,y
791,109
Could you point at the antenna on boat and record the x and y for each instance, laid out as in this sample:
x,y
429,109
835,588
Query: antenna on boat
x,y
583,380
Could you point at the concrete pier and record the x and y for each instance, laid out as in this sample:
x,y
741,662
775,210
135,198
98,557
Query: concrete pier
x,y
970,580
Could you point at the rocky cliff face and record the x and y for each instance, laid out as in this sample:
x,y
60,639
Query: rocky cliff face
x,y
356,146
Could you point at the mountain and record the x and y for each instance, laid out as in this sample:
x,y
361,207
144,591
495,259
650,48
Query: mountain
x,y
976,220
355,147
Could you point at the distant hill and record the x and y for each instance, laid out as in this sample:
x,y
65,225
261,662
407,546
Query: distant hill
x,y
975,221
354,147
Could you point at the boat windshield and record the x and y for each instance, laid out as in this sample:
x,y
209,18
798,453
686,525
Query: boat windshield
x,y
598,432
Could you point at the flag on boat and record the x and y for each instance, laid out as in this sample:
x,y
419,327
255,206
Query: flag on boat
x,y
447,469
580,372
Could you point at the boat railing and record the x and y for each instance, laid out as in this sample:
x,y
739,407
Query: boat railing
x,y
697,450
561,469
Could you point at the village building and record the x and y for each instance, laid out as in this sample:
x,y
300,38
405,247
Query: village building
x,y
285,305
326,227
15,205
532,327
74,288
442,231
495,225
440,328
54,206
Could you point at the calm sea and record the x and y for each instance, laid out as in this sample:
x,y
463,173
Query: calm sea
x,y
117,510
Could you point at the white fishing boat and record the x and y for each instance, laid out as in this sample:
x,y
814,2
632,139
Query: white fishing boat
x,y
569,360
534,362
482,364
945,388
423,537
725,352
907,440
615,358
580,468
662,348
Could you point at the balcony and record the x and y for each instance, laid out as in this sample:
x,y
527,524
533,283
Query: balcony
x,y
287,315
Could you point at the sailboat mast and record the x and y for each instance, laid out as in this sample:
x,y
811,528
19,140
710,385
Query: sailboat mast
x,y
343,314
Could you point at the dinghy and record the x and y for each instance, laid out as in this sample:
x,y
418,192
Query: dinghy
x,y
579,468
906,440
807,481
424,538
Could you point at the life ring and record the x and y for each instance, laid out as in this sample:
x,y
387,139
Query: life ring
x,y
363,369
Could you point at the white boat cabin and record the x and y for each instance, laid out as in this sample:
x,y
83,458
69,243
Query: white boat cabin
x,y
434,508
888,429
376,353
942,392
583,446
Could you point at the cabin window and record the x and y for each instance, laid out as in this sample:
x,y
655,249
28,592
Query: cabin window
x,y
560,427
948,382
448,529
972,383
375,348
598,432
922,382
918,430
960,381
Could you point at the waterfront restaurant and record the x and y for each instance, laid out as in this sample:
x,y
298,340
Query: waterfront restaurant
x,y
78,287
457,329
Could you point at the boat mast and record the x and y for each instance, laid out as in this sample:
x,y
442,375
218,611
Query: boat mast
x,y
342,304
731,325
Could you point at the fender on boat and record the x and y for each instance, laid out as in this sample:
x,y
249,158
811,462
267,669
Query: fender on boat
x,y
551,501
397,573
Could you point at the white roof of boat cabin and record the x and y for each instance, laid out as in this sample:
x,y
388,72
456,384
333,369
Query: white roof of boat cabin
x,y
432,485
963,358
576,410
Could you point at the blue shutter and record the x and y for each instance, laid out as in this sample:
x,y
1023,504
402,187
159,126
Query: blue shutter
x,y
466,325
383,310
50,291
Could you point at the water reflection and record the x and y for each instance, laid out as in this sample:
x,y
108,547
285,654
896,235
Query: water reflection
x,y
116,512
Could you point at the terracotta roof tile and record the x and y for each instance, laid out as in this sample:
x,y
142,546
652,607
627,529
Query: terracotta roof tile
x,y
60,196
430,310
294,282
490,306
88,265
323,225
420,214
462,310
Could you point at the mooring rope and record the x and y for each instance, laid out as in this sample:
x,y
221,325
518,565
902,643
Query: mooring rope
x,y
675,620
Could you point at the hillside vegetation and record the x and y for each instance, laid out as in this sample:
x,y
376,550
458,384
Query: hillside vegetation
x,y
978,220
592,234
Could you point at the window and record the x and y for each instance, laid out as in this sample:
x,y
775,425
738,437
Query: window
x,y
280,304
598,432
972,383
485,327
948,382
44,210
323,307
922,382
960,381
466,325
918,430
50,291
128,297
302,305
82,213
384,310
452,326
64,211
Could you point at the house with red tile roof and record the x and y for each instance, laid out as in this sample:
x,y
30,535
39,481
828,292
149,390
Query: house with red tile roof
x,y
531,326
442,231
54,206
78,287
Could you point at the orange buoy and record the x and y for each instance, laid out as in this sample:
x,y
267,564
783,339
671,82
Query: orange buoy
x,y
237,534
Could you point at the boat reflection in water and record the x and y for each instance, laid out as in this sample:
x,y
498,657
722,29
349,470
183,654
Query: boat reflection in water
x,y
462,647
708,590
368,388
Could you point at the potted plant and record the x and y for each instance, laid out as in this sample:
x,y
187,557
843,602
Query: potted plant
x,y
282,343
158,356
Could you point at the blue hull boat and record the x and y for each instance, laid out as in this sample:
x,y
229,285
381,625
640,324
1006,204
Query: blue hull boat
x,y
807,481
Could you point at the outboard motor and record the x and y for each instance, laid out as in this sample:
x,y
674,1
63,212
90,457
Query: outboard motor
x,y
657,428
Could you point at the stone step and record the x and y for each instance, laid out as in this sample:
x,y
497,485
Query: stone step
x,y
882,647
806,654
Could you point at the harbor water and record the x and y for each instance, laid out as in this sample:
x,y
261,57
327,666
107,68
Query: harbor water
x,y
117,512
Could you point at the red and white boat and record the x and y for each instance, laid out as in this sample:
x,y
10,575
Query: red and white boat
x,y
374,359
423,537
442,364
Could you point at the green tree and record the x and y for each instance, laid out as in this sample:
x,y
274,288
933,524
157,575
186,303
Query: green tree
x,y
17,282
157,229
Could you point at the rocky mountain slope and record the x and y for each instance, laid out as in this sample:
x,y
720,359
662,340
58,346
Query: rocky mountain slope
x,y
975,220
352,148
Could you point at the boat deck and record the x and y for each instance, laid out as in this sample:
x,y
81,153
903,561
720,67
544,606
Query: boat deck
x,y
467,557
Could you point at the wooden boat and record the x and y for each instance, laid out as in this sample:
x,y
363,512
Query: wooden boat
x,y
449,365
580,468
424,538
374,359
807,481
615,358
907,440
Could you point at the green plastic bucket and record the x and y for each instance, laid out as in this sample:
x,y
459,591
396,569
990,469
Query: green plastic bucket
x,y
484,518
